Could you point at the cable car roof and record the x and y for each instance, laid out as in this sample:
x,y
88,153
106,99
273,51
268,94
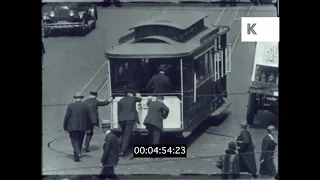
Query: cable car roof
x,y
179,20
165,49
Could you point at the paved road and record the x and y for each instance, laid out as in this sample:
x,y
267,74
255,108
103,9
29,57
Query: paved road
x,y
71,62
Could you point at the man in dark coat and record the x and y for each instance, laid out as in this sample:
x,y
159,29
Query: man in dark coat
x,y
110,156
93,104
246,151
76,122
157,111
127,117
160,82
267,166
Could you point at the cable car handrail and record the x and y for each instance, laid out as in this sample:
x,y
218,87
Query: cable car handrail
x,y
153,94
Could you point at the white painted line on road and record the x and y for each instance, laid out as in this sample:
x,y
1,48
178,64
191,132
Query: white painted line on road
x,y
147,14
215,24
164,11
236,40
233,16
93,77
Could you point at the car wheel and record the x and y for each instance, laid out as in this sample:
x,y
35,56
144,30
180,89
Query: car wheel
x,y
94,25
251,108
46,33
95,13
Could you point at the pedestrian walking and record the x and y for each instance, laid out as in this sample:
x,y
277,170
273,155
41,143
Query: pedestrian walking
x,y
160,82
157,111
93,104
246,151
127,117
267,166
110,156
76,121
229,162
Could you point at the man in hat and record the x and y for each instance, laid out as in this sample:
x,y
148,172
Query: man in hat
x,y
160,82
127,117
110,156
246,151
157,111
267,166
76,122
93,104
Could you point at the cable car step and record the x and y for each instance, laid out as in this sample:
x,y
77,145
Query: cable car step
x,y
222,108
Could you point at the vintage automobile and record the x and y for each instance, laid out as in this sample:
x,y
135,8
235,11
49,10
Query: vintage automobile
x,y
70,16
263,92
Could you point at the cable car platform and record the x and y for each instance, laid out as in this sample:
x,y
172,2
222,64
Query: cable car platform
x,y
222,108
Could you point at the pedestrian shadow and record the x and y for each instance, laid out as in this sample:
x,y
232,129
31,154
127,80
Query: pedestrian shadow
x,y
70,156
202,128
263,119
94,148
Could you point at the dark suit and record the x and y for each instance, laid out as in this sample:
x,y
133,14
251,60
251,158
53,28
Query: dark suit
x,y
267,167
93,104
161,84
157,111
127,116
110,156
76,122
246,153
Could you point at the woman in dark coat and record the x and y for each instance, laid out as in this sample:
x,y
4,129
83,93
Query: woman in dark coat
x,y
246,151
267,166
230,162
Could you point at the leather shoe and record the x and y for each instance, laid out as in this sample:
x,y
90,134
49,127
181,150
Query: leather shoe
x,y
86,149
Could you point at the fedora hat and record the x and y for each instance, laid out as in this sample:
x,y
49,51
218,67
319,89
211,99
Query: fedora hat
x,y
94,93
162,69
243,124
78,95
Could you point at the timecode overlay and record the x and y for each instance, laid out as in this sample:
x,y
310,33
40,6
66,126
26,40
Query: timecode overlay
x,y
160,151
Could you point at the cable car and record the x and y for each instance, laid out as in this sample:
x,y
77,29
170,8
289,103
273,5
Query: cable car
x,y
263,92
197,59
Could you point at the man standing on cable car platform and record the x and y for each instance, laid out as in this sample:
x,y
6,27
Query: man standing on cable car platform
x,y
157,111
160,82
127,117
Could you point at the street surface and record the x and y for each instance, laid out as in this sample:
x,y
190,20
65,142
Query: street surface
x,y
73,64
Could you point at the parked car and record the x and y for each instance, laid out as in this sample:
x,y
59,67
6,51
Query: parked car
x,y
70,16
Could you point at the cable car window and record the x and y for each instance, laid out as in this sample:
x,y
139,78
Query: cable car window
x,y
172,71
203,68
125,71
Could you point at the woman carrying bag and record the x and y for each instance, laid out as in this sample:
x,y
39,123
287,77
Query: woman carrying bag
x,y
229,162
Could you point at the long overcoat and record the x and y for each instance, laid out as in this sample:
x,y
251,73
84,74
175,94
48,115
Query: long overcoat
x,y
157,111
267,166
77,117
246,152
